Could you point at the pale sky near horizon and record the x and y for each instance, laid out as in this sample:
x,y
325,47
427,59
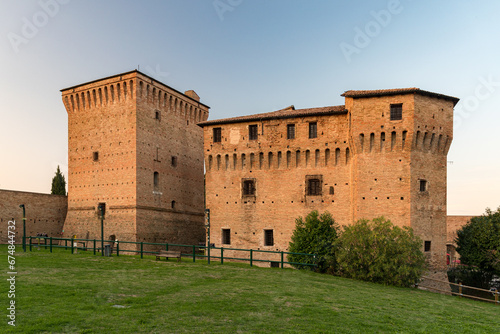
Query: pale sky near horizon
x,y
252,56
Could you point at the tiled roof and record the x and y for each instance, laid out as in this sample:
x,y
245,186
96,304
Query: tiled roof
x,y
397,91
289,112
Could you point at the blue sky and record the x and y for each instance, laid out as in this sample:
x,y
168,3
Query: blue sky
x,y
252,56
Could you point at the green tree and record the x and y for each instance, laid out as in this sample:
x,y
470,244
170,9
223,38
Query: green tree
x,y
478,242
377,251
58,183
315,235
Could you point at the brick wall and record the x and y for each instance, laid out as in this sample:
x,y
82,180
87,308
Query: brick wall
x,y
44,213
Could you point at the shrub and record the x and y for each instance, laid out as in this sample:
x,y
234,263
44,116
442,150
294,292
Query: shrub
x,y
377,251
315,235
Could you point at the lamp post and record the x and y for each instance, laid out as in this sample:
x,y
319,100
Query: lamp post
x,y
24,226
207,225
102,229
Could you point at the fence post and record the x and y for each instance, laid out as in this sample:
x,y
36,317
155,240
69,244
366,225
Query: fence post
x,y
141,250
281,259
117,248
496,297
251,257
30,244
72,245
460,290
94,246
166,246
51,244
194,254
222,255
65,243
45,239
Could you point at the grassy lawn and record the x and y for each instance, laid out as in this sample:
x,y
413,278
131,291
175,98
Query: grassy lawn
x,y
64,293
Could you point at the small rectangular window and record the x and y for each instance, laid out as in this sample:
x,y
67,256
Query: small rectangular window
x,y
95,156
313,130
427,246
396,112
253,132
268,238
314,187
157,115
423,185
290,131
248,188
226,236
174,161
217,135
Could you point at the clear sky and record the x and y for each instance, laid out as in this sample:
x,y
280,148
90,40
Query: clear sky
x,y
252,56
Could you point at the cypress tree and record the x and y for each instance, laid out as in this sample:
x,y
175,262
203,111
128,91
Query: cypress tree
x,y
58,184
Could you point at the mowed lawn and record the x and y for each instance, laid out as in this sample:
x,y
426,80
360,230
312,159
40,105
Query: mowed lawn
x,y
83,293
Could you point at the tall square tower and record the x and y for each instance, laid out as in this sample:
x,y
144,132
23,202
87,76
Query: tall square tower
x,y
136,153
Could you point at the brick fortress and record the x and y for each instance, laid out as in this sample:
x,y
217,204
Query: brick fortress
x,y
382,153
135,152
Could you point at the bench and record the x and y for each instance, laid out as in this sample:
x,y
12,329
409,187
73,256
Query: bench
x,y
167,254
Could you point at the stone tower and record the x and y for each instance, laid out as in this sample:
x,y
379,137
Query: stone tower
x,y
136,152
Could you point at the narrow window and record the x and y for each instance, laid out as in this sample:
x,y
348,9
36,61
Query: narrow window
x,y
396,112
432,141
327,156
252,160
226,236
423,185
288,159
372,141
270,160
95,156
173,161
361,142
235,160
308,154
279,159
253,132
156,180
347,156
261,160
172,204
217,135
297,159
227,161
316,158
101,209
313,187
243,160
393,140
157,115
337,156
313,130
404,138
210,162
332,190
382,141
427,246
218,161
290,131
268,238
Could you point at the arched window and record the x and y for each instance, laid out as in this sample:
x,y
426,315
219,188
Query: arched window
x,y
156,180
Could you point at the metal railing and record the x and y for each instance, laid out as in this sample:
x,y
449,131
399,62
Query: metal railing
x,y
191,251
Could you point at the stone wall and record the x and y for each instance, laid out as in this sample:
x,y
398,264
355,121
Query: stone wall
x,y
44,213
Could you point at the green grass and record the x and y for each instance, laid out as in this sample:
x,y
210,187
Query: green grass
x,y
64,293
